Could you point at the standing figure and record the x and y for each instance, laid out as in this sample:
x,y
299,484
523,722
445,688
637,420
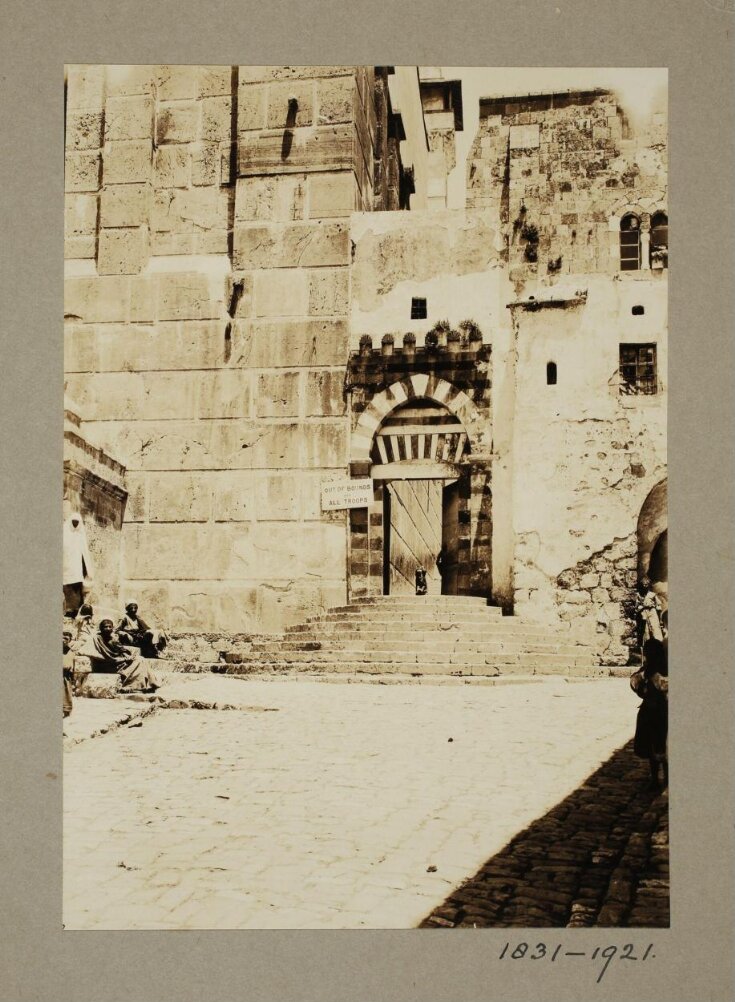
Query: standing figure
x,y
652,722
68,671
648,613
108,654
77,565
133,630
421,586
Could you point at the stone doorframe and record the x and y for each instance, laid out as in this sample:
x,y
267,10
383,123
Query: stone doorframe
x,y
366,535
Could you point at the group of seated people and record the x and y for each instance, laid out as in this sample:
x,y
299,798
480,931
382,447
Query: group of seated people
x,y
126,650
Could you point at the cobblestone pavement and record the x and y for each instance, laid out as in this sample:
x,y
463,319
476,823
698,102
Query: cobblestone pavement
x,y
599,858
349,806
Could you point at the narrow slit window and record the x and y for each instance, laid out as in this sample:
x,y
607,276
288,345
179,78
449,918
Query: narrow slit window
x,y
418,309
630,243
551,373
638,369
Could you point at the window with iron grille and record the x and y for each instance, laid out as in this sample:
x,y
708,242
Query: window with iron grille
x,y
638,369
630,243
418,309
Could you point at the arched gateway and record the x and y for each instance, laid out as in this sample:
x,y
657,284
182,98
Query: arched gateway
x,y
425,442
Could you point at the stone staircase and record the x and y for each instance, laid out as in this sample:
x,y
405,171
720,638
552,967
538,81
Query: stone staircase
x,y
445,635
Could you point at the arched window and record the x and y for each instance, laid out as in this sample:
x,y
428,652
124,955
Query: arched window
x,y
659,240
630,243
551,373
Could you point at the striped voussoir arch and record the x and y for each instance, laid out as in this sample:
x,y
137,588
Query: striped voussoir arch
x,y
419,385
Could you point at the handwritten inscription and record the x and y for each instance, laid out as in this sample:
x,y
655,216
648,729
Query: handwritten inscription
x,y
604,955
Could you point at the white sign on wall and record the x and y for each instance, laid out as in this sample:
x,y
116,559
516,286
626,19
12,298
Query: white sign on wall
x,y
346,494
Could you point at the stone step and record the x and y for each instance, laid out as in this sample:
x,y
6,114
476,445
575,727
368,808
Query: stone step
x,y
408,657
397,631
422,644
584,670
451,606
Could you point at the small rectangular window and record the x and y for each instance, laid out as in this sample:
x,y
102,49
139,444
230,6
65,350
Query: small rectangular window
x,y
418,309
638,369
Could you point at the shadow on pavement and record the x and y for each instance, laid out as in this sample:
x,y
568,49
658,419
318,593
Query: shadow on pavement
x,y
599,858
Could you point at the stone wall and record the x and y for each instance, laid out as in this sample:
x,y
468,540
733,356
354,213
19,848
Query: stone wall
x,y
566,166
95,487
206,307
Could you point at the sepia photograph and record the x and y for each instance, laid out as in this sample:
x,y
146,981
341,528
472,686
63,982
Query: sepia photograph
x,y
365,565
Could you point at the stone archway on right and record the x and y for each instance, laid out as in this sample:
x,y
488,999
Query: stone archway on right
x,y
652,536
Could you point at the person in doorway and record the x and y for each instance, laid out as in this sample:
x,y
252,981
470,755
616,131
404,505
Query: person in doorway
x,y
134,631
109,655
421,586
68,671
648,613
651,683
77,565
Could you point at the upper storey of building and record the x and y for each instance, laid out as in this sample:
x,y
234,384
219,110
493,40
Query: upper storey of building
x,y
575,188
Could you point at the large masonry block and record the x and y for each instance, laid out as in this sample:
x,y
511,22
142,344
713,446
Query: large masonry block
x,y
306,245
127,162
333,194
278,395
123,251
125,205
82,171
128,118
281,293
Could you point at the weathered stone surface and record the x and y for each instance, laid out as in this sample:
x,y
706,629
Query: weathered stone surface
x,y
216,119
279,497
245,551
281,293
279,97
128,118
97,300
179,497
82,171
178,83
328,292
215,81
186,296
256,73
251,107
234,496
298,245
294,343
80,247
270,199
315,149
325,393
172,167
85,88
128,81
125,205
278,395
336,99
84,130
178,123
123,251
127,162
332,195
80,214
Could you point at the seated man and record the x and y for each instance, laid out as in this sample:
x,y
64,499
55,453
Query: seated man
x,y
107,654
133,630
